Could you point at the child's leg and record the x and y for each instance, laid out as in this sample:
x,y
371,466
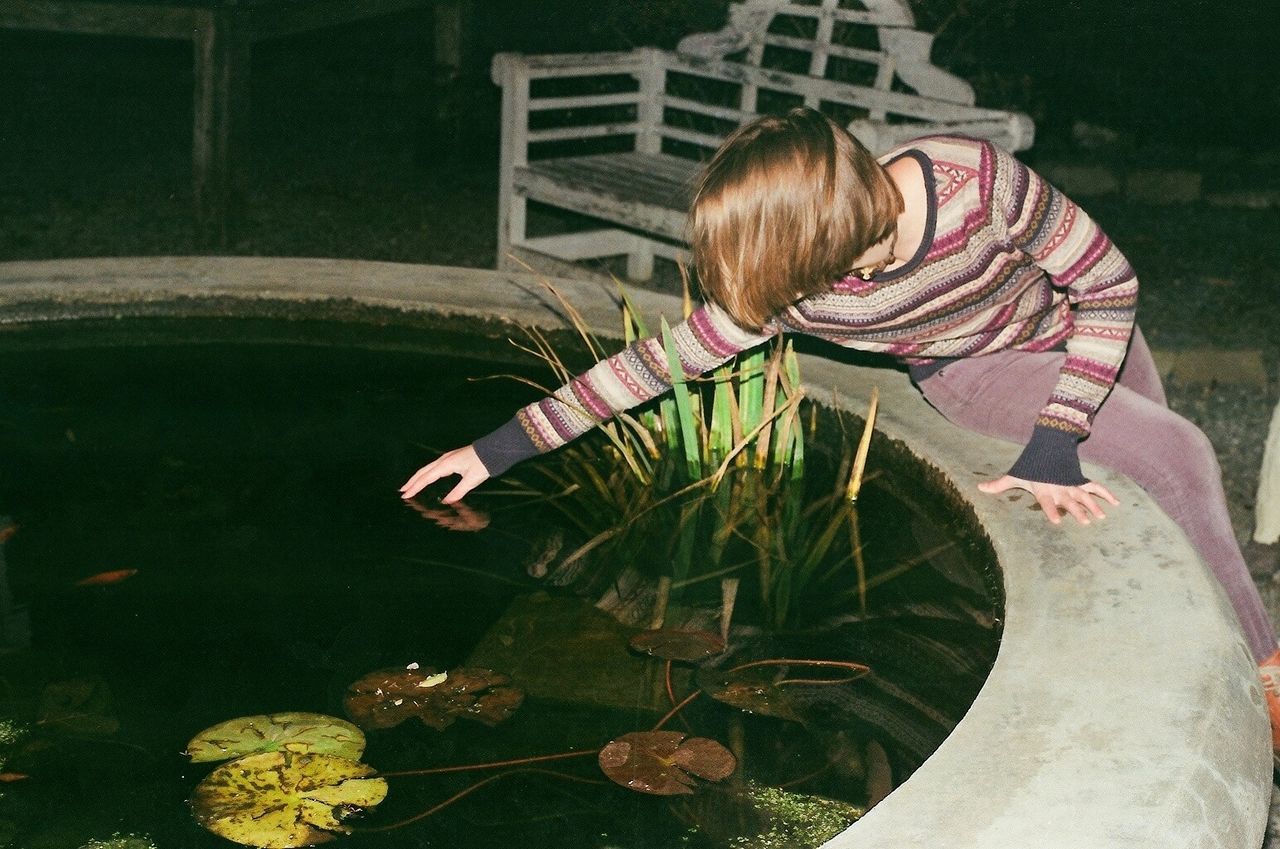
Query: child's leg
x,y
1139,372
1133,433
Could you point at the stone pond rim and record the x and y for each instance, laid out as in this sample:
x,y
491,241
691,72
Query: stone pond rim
x,y
1123,709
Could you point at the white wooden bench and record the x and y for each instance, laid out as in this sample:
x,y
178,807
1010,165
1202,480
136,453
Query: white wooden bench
x,y
616,137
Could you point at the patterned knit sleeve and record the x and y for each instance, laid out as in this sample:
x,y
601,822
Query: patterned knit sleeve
x,y
1103,292
708,338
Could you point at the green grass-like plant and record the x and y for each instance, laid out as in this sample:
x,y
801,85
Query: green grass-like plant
x,y
707,484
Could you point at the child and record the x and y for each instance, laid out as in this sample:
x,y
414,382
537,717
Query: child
x,y
1012,310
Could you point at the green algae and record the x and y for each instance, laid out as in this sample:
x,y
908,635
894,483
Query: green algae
x,y
795,820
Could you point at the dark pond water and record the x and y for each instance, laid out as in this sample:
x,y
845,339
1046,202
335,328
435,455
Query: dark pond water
x,y
234,485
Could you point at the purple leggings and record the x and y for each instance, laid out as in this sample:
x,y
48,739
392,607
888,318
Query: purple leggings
x,y
1134,433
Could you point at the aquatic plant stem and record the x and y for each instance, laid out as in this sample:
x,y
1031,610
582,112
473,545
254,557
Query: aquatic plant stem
x,y
675,710
671,693
728,597
858,669
666,674
859,562
660,604
907,565
439,770
467,791
860,458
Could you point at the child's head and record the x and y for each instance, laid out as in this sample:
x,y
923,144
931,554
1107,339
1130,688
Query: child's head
x,y
784,207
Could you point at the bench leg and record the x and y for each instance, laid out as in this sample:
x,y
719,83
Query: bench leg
x,y
512,215
221,110
640,260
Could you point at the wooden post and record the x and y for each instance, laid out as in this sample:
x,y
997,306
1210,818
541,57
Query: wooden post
x,y
221,110
444,115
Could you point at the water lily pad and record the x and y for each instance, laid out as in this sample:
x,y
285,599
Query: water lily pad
x,y
288,732
277,800
755,690
660,762
388,697
78,706
531,640
678,644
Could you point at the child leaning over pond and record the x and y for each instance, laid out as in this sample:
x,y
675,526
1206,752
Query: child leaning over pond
x,y
1012,310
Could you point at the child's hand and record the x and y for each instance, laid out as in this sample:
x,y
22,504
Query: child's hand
x,y
1054,498
460,461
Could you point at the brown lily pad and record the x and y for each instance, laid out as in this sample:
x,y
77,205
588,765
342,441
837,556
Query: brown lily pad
x,y
387,697
661,762
801,691
678,644
78,706
757,691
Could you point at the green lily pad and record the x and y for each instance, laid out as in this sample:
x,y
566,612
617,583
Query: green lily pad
x,y
278,800
661,762
272,732
678,644
387,697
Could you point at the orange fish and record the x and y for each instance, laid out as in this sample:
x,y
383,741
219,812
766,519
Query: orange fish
x,y
12,776
102,579
8,532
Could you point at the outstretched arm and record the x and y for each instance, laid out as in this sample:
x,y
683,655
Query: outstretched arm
x,y
638,373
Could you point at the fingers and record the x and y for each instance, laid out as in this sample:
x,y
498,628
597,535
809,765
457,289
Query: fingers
x,y
1075,508
1101,491
461,461
1049,506
1080,502
422,478
469,481
1083,497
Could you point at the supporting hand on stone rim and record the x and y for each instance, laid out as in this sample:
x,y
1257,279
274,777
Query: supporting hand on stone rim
x,y
1054,499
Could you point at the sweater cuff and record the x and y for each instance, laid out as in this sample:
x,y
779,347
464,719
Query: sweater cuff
x,y
1050,457
505,447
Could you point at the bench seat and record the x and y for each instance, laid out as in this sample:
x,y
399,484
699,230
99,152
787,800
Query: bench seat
x,y
649,192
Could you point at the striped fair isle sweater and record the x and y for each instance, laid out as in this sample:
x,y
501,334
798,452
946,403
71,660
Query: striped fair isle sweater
x,y
1007,262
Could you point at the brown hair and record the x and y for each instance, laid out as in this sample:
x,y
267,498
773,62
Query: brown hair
x,y
785,206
